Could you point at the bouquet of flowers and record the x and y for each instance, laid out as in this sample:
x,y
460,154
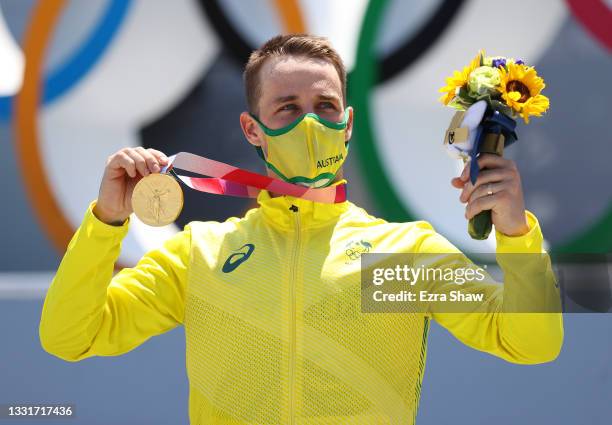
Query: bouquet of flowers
x,y
490,93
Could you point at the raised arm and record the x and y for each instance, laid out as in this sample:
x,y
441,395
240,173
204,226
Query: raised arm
x,y
506,323
89,312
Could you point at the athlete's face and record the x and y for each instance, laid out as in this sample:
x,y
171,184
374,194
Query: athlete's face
x,y
291,86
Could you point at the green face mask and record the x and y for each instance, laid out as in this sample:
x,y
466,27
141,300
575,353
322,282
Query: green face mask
x,y
308,152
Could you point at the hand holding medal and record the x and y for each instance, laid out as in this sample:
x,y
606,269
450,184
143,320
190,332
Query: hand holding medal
x,y
489,94
124,171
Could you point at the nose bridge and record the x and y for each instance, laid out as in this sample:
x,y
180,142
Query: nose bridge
x,y
310,128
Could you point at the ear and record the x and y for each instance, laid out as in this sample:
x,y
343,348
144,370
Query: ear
x,y
349,124
251,130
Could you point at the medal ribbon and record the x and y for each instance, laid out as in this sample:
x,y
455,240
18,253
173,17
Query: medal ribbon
x,y
225,179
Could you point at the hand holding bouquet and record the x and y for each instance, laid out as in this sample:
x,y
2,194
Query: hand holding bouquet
x,y
490,93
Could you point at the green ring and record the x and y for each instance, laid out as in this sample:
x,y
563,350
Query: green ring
x,y
363,77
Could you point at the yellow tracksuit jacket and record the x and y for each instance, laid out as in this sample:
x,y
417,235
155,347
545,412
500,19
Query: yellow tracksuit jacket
x,y
270,303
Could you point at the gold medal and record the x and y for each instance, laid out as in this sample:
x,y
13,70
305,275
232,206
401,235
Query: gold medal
x,y
157,199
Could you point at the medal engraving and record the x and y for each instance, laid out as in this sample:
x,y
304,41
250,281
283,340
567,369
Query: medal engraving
x,y
157,199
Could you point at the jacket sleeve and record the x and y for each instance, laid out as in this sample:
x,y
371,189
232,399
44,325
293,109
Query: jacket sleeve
x,y
519,321
87,311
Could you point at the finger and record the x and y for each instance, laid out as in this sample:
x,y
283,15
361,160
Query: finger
x,y
465,174
482,204
485,176
489,160
123,160
150,159
161,157
488,189
457,182
141,164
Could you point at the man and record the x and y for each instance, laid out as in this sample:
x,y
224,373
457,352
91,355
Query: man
x,y
271,301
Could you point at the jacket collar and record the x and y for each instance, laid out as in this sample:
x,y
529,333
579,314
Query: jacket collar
x,y
281,211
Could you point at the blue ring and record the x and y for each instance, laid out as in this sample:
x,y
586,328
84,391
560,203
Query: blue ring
x,y
78,65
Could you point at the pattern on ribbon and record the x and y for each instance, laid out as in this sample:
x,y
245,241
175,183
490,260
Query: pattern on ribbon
x,y
225,179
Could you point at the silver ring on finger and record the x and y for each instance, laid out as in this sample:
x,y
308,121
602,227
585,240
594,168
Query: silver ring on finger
x,y
489,190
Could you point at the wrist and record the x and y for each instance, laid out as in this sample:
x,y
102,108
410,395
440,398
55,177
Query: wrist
x,y
531,242
105,217
520,230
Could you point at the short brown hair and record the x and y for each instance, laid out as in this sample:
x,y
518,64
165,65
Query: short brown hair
x,y
306,45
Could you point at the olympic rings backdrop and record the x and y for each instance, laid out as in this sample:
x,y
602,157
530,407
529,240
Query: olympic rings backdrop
x,y
81,79
167,75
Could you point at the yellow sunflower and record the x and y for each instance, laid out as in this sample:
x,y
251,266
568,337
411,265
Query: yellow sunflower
x,y
458,79
520,87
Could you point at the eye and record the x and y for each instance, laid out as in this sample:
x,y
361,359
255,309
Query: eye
x,y
327,105
288,107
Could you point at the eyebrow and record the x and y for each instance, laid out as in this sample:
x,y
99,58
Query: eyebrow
x,y
292,97
329,97
283,99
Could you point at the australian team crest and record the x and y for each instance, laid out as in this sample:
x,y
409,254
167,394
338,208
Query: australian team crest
x,y
355,248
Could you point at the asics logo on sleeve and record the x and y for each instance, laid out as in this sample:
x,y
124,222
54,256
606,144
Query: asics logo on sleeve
x,y
234,260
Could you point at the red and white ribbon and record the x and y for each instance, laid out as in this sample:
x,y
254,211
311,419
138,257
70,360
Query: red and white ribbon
x,y
225,179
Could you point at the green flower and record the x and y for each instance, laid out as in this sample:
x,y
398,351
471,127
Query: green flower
x,y
483,81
